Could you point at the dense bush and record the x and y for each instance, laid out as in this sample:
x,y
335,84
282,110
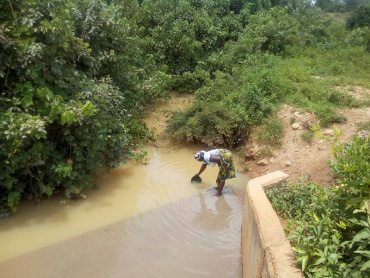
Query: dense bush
x,y
276,58
222,112
184,33
360,17
61,118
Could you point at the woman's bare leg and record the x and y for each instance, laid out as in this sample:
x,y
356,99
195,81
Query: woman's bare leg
x,y
219,188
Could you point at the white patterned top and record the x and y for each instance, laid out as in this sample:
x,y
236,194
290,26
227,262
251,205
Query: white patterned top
x,y
207,156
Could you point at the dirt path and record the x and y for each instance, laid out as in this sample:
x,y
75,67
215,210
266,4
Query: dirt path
x,y
298,157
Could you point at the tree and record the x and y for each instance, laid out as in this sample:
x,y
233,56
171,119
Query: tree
x,y
61,117
360,17
352,4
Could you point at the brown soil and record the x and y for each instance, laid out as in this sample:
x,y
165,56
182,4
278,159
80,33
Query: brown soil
x,y
298,157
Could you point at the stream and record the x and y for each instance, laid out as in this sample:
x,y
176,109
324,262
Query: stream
x,y
141,220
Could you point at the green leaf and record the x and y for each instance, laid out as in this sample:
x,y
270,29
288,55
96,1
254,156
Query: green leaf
x,y
27,101
364,206
341,224
304,262
298,250
48,190
13,199
366,253
365,266
335,239
317,219
70,190
45,93
88,108
364,233
333,258
10,181
319,261
68,117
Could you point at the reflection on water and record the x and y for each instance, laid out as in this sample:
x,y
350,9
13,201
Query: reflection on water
x,y
144,221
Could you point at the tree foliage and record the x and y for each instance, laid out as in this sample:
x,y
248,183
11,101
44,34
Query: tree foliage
x,y
272,60
76,76
360,17
74,80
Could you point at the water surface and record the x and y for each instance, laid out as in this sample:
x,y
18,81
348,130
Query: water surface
x,y
144,220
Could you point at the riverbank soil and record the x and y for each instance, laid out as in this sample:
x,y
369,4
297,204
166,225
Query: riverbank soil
x,y
300,156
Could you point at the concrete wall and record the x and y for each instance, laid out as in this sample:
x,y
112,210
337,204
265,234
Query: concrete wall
x,y
266,251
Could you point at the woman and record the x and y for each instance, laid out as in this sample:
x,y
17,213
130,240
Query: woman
x,y
224,159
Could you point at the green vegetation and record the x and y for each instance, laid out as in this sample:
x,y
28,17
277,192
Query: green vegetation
x,y
74,78
360,16
77,76
269,133
330,226
283,55
308,136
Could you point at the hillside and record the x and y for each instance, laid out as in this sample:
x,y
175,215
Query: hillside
x,y
298,157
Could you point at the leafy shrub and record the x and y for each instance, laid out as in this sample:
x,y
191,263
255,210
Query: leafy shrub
x,y
330,239
251,89
220,117
189,82
327,114
209,123
292,199
185,33
61,118
341,98
265,24
352,169
351,63
359,37
65,145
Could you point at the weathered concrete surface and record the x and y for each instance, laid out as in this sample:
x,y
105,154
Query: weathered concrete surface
x,y
266,251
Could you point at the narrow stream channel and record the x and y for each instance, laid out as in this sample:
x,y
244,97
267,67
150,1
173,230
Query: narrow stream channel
x,y
141,221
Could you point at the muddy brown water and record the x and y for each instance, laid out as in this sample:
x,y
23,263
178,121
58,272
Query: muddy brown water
x,y
142,221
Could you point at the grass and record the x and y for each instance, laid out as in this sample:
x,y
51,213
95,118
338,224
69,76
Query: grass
x,y
313,78
364,126
270,132
308,136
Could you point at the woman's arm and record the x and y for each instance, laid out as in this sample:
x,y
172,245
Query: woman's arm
x,y
202,168
215,159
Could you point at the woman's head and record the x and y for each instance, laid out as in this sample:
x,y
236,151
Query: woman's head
x,y
199,155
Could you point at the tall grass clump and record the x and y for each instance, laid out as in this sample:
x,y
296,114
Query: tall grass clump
x,y
269,133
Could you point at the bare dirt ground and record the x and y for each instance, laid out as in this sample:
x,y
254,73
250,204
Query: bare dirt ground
x,y
299,158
